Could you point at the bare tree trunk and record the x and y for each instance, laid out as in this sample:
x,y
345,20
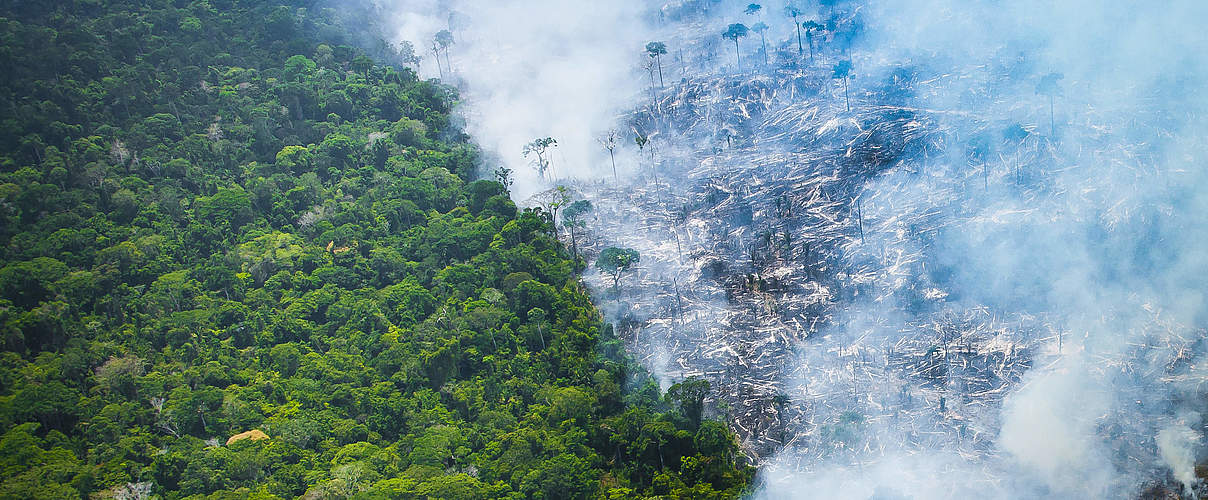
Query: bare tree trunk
x,y
659,60
436,54
845,96
798,26
763,43
613,156
860,219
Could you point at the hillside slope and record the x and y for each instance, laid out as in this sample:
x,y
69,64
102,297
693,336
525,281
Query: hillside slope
x,y
241,258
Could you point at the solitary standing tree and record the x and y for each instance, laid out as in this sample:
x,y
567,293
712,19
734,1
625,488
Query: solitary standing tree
x,y
753,9
1048,86
436,57
810,28
575,216
842,71
641,140
444,39
656,51
538,148
793,12
614,261
760,28
734,32
553,200
609,141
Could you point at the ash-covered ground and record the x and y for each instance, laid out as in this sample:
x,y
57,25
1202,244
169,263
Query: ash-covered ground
x,y
956,287
921,249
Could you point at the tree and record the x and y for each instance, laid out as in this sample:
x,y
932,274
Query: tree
x,y
1048,86
614,261
538,148
753,9
842,71
609,141
575,217
690,396
734,32
810,28
436,57
793,12
656,50
503,175
760,28
553,200
444,40
330,274
642,140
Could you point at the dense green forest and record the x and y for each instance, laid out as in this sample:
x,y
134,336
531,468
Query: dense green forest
x,y
227,216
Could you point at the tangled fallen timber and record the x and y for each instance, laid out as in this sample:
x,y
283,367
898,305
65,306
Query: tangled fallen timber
x,y
789,257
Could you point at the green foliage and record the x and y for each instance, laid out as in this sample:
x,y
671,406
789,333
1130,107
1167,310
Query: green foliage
x,y
614,261
223,216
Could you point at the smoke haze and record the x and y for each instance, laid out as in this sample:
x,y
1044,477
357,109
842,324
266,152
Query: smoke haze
x,y
1063,223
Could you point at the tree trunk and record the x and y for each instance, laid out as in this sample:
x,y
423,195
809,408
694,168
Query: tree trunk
x,y
659,60
439,69
845,96
860,219
798,26
737,56
613,156
764,44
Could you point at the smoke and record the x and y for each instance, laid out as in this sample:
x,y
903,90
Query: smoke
x,y
1050,434
1055,232
1108,243
1177,444
531,69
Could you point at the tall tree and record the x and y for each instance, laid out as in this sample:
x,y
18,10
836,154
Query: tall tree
x,y
1048,86
436,57
760,28
656,51
444,39
734,32
810,28
553,200
538,148
609,141
842,71
792,11
574,217
641,140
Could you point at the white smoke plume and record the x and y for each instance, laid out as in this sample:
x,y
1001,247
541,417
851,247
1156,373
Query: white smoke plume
x,y
533,68
1098,258
1177,443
